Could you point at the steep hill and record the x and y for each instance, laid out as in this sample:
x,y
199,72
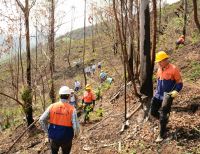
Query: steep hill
x,y
102,135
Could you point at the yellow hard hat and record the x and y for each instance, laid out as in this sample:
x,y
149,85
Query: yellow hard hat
x,y
161,55
88,87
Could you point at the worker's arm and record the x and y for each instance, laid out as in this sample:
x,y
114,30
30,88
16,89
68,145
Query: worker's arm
x,y
44,119
178,79
75,123
178,85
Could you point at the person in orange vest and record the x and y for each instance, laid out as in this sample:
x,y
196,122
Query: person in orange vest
x,y
88,100
181,40
169,83
60,122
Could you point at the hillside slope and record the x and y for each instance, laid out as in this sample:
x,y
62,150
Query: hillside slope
x,y
102,135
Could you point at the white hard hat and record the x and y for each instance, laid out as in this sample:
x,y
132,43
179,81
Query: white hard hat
x,y
64,90
72,90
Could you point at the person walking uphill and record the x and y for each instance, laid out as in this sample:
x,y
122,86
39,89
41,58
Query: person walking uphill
x,y
88,101
181,40
61,123
169,83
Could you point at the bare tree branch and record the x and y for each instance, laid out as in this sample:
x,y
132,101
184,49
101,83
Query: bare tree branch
x,y
32,4
12,19
20,103
20,5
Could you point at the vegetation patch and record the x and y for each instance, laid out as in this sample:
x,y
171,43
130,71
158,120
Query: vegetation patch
x,y
194,72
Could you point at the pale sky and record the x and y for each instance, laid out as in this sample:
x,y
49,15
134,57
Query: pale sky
x,y
79,13
64,7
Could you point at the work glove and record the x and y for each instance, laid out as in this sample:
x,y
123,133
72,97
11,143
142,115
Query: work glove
x,y
46,140
173,93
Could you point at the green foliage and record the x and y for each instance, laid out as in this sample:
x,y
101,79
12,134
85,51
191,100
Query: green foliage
x,y
26,94
194,72
133,151
99,112
97,115
195,37
10,116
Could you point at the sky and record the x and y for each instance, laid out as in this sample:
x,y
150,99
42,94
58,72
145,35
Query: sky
x,y
64,13
64,10
79,13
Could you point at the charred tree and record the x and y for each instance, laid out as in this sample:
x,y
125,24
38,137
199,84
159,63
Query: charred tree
x,y
146,72
196,14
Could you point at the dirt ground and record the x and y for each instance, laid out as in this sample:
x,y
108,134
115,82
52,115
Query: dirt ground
x,y
104,137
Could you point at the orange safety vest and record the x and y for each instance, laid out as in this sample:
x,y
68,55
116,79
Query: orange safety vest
x,y
88,97
181,40
61,114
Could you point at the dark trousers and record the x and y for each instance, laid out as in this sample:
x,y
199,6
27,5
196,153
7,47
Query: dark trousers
x,y
160,109
65,146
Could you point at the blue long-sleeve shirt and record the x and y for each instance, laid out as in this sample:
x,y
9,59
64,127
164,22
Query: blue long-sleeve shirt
x,y
168,79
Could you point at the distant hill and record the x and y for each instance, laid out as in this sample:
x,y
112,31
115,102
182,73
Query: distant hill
x,y
78,34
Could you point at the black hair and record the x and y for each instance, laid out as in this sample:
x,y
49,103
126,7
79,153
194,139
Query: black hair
x,y
65,96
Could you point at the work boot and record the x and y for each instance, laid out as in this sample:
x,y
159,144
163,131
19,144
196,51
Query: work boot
x,y
159,139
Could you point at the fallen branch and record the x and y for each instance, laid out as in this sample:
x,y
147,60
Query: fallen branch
x,y
21,135
107,145
109,116
118,92
100,121
197,129
119,146
129,115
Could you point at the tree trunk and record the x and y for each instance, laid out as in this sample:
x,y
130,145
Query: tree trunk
x,y
52,56
28,104
70,38
154,34
185,17
20,50
138,41
84,45
145,55
160,15
196,14
130,40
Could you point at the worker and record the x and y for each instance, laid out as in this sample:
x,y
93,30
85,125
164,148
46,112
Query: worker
x,y
169,82
73,98
77,85
181,40
60,122
88,100
93,68
103,76
99,65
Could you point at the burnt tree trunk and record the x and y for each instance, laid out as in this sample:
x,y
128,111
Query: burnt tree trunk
x,y
154,33
130,40
196,14
145,55
185,17
52,48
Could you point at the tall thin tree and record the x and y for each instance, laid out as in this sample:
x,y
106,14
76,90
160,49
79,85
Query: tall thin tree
x,y
196,14
52,50
185,17
70,35
84,43
28,100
